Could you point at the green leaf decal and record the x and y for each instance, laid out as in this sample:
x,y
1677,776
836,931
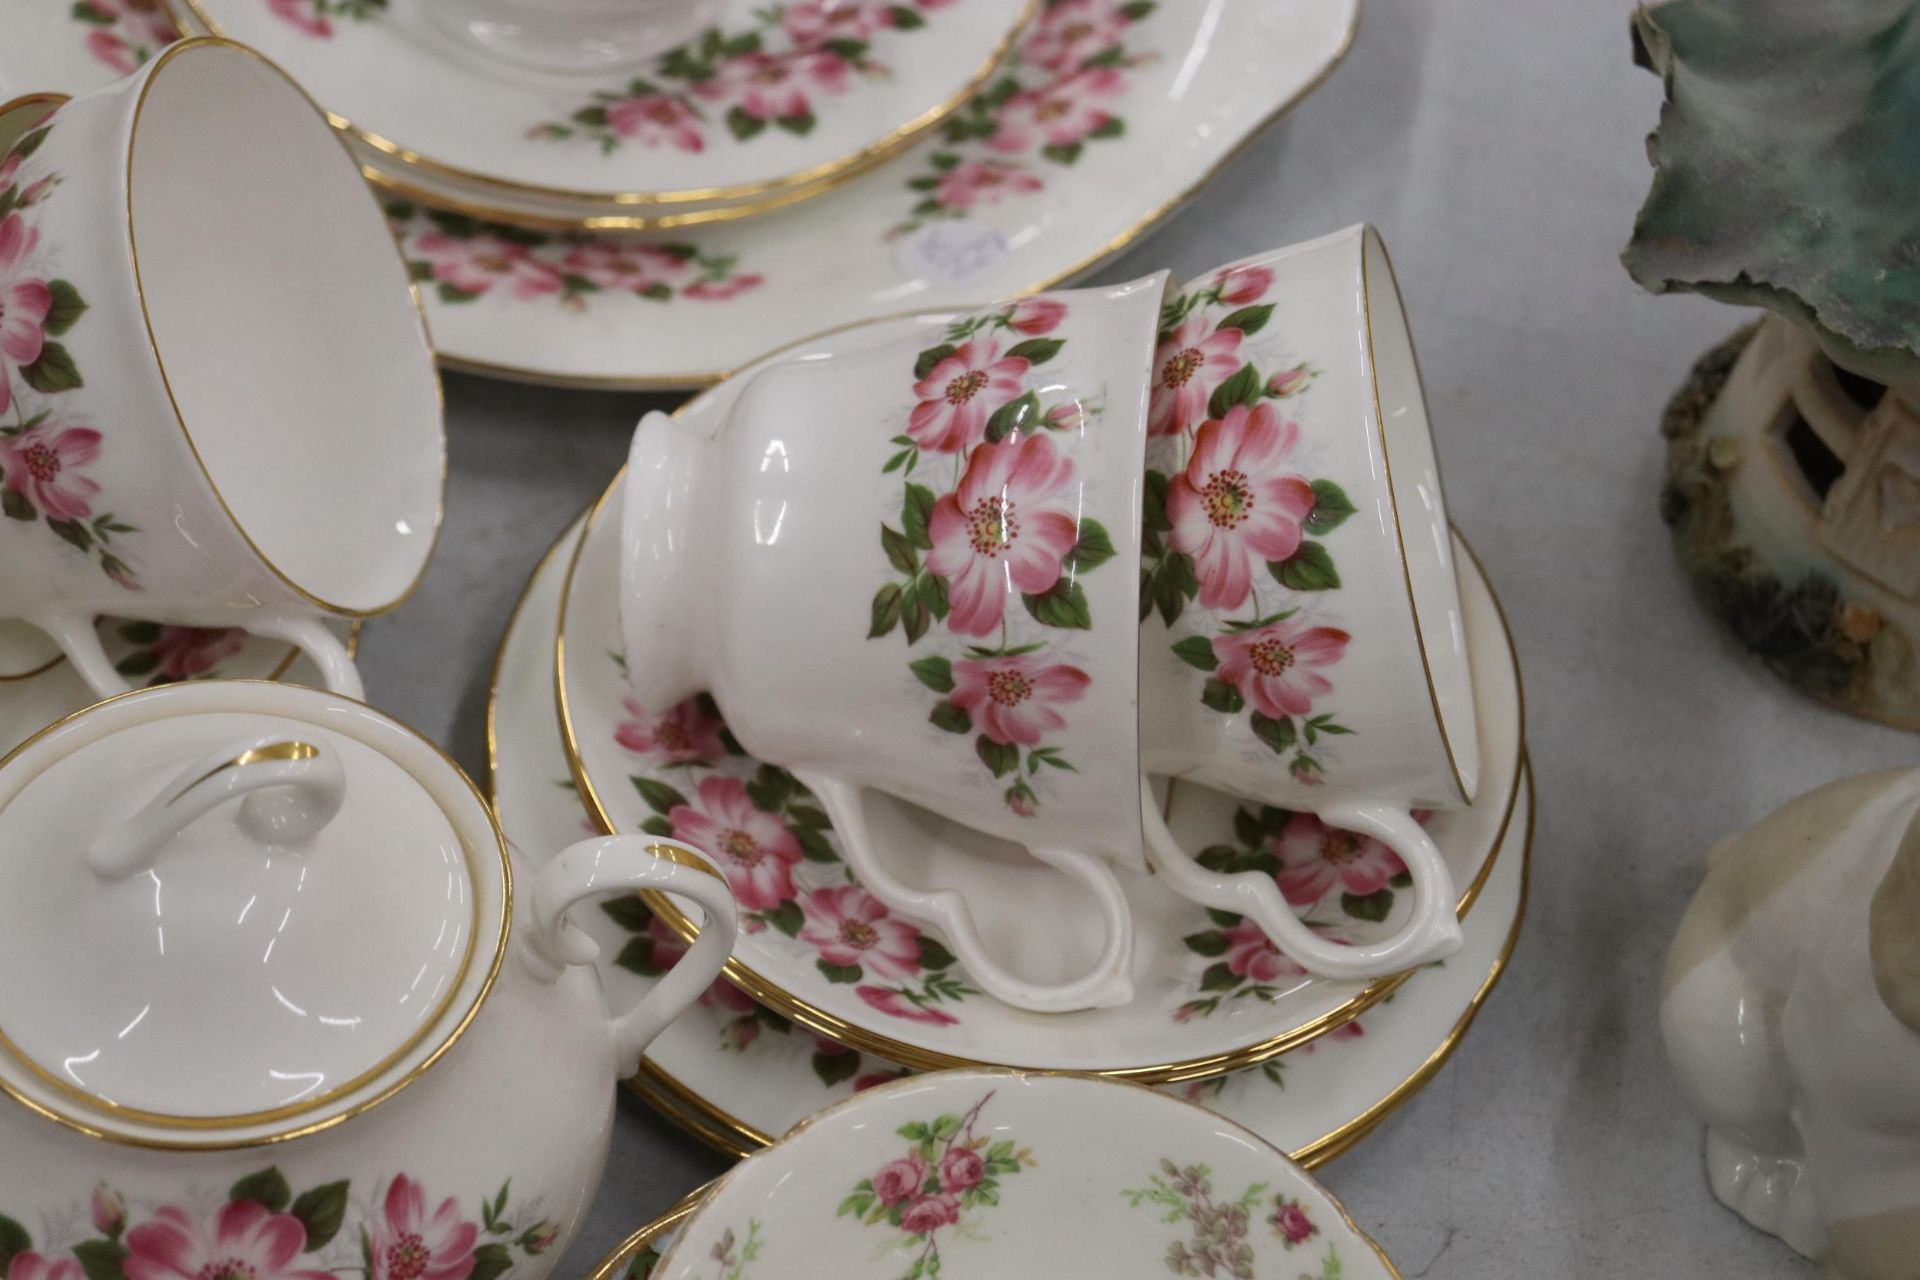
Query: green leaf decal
x,y
787,918
1093,549
54,371
1308,569
840,973
814,845
916,513
1219,977
636,956
1242,388
1063,605
1373,906
101,1259
1197,652
1277,734
770,788
1036,350
266,1188
836,1068
661,797
1331,507
321,1211
657,826
936,673
933,955
1221,696
72,531
930,359
886,610
490,1261
1210,943
67,307
1012,416
17,507
742,126
1249,320
899,550
1001,757
952,718
13,1240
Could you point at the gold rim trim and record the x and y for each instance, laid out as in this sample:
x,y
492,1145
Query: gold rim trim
x,y
1368,234
712,1192
786,189
614,1265
453,1034
152,71
283,751
918,1057
730,1135
575,528
696,381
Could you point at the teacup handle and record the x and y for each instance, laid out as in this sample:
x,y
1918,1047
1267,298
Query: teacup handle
x,y
288,790
80,641
1431,934
617,865
1108,983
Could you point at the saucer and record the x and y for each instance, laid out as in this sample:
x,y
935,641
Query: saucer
x,y
951,221
737,1075
636,1257
766,105
976,1173
147,653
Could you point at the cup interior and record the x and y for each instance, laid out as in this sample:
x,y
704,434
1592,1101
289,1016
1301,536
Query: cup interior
x,y
1426,541
282,318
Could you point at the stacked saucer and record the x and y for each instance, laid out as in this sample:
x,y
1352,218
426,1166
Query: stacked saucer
x,y
834,991
841,160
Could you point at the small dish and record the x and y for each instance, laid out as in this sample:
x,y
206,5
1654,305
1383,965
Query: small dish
x,y
736,1075
762,107
636,1257
971,1173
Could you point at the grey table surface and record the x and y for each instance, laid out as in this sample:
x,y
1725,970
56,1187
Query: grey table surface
x,y
1498,145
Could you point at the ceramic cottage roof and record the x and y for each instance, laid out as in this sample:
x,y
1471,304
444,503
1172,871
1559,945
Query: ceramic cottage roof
x,y
1787,167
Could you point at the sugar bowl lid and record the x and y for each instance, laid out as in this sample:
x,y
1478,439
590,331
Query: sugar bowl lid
x,y
247,910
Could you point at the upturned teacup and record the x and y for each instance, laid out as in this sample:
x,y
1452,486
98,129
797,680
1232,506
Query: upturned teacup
x,y
912,568
1303,643
218,405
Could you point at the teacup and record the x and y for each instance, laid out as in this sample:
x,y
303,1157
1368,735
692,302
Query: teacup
x,y
1304,645
889,567
573,35
218,405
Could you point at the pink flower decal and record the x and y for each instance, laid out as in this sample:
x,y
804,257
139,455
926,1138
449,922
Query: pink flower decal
x,y
755,849
1016,699
1291,1223
1069,32
930,1213
1007,527
1059,114
1277,667
1033,317
683,735
766,87
28,1265
304,15
475,265
25,301
186,652
1315,858
1235,504
961,392
656,119
126,32
961,1169
623,266
408,1243
1187,365
1252,955
814,22
1242,286
850,928
242,1238
893,1004
42,465
979,183
108,1210
900,1179
721,290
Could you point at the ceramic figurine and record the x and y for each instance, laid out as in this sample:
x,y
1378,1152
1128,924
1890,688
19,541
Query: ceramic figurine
x,y
1792,1015
1793,462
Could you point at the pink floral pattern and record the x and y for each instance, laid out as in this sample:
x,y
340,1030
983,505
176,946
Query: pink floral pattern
x,y
1062,90
776,847
463,260
946,1174
265,1229
46,458
773,75
1316,858
125,33
315,17
1005,528
1233,523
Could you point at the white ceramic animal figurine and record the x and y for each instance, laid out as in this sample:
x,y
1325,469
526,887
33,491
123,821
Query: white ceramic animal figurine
x,y
1792,1015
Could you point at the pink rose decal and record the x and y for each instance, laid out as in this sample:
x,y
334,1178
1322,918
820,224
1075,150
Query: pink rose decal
x,y
766,87
409,1244
961,1169
721,290
108,1210
1033,317
1277,667
1235,505
1291,1223
1189,363
475,266
1059,114
303,15
930,1213
900,1179
624,267
685,735
25,301
187,652
1071,31
814,22
1252,955
755,849
655,119
961,392
850,928
895,1005
42,465
1016,699
1243,286
127,33
1315,858
1008,526
28,1265
979,183
242,1238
